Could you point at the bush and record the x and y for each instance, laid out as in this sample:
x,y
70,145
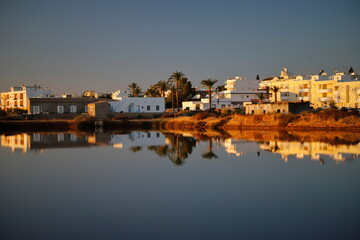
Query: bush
x,y
16,111
2,112
226,111
201,115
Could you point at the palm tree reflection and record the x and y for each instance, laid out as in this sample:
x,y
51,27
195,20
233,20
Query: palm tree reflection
x,y
178,149
210,154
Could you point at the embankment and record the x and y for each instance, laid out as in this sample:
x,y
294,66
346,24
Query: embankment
x,y
329,120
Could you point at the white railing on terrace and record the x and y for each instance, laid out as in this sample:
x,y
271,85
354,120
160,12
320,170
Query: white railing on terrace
x,y
327,90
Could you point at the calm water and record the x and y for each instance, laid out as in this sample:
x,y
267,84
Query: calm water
x,y
149,185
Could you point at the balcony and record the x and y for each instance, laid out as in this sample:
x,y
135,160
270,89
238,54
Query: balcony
x,y
327,90
304,98
324,99
304,90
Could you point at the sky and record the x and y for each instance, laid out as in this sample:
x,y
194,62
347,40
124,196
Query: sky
x,y
73,46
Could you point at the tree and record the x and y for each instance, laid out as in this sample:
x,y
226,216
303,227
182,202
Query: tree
x,y
261,96
209,83
162,87
173,90
220,88
275,90
186,90
176,77
152,92
135,90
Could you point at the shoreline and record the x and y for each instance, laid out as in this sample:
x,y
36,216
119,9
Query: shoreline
x,y
331,120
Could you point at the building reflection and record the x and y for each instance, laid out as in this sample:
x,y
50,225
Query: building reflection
x,y
315,150
178,147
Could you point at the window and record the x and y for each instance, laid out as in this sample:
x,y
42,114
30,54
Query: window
x,y
61,137
36,109
60,109
73,137
157,107
148,107
73,109
36,137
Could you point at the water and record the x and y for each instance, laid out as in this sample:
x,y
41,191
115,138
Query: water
x,y
149,185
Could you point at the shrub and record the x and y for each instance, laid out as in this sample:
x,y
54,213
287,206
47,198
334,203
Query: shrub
x,y
16,111
201,115
226,111
2,112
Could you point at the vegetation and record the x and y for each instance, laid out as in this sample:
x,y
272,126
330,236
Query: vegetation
x,y
177,77
261,96
209,83
135,90
162,87
329,119
275,90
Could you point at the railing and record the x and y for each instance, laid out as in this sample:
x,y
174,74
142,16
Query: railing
x,y
327,90
304,98
304,90
324,99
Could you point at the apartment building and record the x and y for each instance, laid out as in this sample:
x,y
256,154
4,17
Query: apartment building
x,y
18,97
320,90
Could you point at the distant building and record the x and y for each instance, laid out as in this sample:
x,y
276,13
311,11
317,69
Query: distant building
x,y
127,104
320,90
238,91
99,110
278,107
59,105
18,97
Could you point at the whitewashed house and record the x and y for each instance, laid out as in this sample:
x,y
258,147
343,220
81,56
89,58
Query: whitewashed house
x,y
128,104
138,139
238,91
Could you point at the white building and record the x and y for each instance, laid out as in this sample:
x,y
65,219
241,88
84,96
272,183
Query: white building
x,y
238,91
18,97
136,104
137,139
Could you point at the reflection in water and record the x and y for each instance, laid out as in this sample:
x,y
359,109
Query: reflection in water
x,y
209,154
177,147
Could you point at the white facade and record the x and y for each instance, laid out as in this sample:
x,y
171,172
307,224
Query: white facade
x,y
136,104
238,91
138,139
18,96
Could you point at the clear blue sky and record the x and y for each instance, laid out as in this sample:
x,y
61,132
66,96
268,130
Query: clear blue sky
x,y
73,46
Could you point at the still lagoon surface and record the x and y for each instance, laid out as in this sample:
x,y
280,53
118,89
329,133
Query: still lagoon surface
x,y
154,185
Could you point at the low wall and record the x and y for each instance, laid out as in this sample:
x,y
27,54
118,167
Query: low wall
x,y
138,115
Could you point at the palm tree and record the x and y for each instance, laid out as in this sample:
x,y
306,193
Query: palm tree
x,y
176,77
135,90
172,89
261,96
152,92
162,86
220,88
275,90
209,83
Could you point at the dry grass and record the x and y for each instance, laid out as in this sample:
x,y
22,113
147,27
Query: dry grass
x,y
324,120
